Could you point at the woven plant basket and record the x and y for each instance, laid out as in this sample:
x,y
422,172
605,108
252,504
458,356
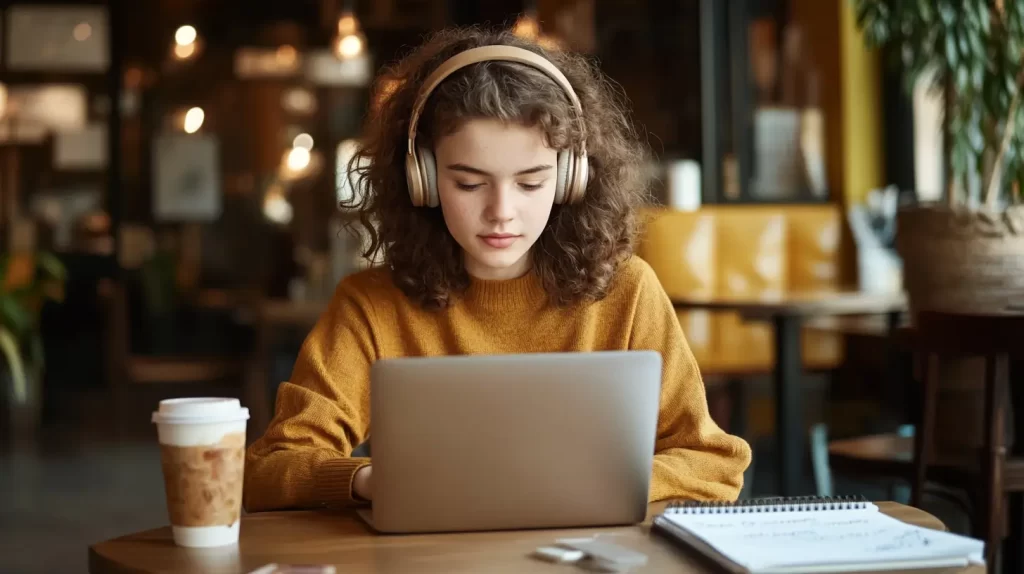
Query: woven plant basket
x,y
961,260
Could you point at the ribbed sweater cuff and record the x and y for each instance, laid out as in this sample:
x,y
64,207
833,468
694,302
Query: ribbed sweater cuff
x,y
333,480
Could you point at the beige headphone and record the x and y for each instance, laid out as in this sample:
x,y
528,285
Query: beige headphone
x,y
573,170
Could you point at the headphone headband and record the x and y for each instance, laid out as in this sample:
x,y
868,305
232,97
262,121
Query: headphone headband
x,y
484,54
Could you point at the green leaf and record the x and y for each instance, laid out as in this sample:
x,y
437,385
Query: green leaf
x,y
977,44
53,266
947,13
951,53
963,80
978,76
924,10
14,315
975,137
964,44
9,348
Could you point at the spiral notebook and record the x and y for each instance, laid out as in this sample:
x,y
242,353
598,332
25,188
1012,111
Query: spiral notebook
x,y
811,534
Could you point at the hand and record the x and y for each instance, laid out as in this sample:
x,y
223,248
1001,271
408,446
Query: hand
x,y
361,483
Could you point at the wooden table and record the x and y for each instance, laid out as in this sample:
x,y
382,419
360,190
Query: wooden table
x,y
787,312
342,539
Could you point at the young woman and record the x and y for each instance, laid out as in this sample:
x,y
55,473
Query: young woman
x,y
500,190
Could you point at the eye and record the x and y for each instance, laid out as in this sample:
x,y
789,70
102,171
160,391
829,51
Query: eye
x,y
467,186
531,186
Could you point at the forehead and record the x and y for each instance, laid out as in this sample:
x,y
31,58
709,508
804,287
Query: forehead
x,y
495,145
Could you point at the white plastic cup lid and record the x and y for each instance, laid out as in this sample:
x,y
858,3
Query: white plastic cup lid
x,y
200,410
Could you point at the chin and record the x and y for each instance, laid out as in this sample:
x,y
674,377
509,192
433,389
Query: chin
x,y
498,262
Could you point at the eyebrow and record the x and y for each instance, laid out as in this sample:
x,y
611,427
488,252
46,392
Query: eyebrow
x,y
476,171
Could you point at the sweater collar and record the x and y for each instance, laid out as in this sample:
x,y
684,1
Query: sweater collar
x,y
524,291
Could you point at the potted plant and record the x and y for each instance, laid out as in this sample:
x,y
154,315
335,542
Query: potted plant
x,y
27,282
969,250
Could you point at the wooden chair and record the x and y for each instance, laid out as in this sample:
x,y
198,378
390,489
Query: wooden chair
x,y
127,369
994,335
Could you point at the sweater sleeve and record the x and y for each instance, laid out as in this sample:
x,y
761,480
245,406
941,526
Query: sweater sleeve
x,y
322,413
694,458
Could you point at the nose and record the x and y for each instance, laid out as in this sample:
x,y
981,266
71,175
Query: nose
x,y
500,204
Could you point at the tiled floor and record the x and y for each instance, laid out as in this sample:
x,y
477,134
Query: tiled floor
x,y
55,502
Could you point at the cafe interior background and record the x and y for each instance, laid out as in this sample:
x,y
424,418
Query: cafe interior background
x,y
171,170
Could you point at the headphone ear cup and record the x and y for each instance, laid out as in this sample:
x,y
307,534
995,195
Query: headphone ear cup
x,y
414,180
571,187
428,173
563,171
582,178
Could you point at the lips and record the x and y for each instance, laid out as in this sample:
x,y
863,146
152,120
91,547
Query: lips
x,y
499,240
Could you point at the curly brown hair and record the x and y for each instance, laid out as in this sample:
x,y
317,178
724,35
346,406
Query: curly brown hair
x,y
577,254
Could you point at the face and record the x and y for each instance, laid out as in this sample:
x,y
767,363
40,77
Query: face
x,y
496,183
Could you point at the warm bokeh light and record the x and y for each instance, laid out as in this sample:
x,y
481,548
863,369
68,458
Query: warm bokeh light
x,y
286,54
347,25
299,100
349,42
82,31
304,141
526,27
349,46
194,120
185,35
133,78
298,159
184,52
276,207
549,42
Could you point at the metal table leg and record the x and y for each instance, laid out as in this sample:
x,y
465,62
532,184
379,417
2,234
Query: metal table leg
x,y
789,414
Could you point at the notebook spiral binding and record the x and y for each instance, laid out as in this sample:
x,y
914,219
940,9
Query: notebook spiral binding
x,y
771,504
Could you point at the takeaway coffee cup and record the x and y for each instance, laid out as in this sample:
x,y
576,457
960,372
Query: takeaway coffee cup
x,y
202,452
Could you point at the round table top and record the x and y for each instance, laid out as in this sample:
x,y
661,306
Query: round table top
x,y
341,539
806,303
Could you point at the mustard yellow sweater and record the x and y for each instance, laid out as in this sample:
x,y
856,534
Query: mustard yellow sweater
x,y
323,412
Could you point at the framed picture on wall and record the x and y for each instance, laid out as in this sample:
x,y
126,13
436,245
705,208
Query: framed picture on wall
x,y
186,173
65,38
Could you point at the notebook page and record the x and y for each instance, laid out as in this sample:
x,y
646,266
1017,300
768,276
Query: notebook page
x,y
792,540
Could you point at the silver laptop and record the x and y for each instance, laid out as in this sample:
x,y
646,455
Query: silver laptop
x,y
503,442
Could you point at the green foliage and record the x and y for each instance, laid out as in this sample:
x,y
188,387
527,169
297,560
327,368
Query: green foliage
x,y
27,282
974,48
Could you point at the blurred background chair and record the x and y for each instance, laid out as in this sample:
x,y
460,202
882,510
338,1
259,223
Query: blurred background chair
x,y
134,375
991,475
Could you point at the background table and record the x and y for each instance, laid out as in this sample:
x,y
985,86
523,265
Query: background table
x,y
342,539
787,312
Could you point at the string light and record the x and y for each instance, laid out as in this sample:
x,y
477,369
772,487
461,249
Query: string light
x,y
350,41
276,207
185,35
184,52
186,42
194,120
298,159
